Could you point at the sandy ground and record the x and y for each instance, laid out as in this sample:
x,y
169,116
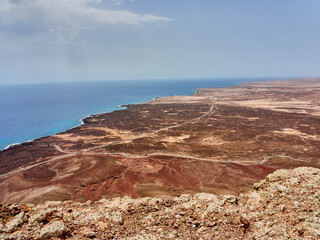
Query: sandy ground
x,y
254,129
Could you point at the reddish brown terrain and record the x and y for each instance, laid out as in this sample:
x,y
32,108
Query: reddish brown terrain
x,y
220,140
285,205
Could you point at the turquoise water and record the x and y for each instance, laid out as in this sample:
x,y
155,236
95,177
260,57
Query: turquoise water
x,y
28,112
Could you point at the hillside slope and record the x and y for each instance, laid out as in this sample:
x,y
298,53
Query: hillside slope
x,y
284,205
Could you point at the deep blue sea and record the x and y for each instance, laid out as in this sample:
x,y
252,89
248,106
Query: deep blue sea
x,y
32,111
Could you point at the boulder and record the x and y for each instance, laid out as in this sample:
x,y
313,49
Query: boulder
x,y
16,222
55,229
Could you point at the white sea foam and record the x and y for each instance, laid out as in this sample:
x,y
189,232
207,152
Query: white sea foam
x,y
11,145
16,144
81,120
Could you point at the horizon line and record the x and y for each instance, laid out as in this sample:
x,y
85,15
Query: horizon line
x,y
158,79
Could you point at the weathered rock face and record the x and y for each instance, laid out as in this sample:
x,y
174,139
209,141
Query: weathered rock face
x,y
284,205
55,229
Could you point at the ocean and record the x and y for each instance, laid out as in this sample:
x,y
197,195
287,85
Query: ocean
x,y
28,112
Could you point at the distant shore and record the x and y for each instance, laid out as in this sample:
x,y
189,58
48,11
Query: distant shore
x,y
172,145
81,120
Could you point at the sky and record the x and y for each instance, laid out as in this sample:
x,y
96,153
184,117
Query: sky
x,y
91,40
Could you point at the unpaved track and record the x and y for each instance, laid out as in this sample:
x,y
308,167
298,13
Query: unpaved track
x,y
69,154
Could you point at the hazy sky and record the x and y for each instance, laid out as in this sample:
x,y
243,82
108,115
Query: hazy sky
x,y
84,40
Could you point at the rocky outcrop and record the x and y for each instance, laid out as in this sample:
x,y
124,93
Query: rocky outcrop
x,y
55,229
284,205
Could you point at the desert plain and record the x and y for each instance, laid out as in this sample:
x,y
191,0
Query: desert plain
x,y
219,141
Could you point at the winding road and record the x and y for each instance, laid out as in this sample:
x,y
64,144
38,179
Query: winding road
x,y
70,154
212,110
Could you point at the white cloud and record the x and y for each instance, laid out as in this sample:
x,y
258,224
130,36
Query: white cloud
x,y
120,2
67,18
117,2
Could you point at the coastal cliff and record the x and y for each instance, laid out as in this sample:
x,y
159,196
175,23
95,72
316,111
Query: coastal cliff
x,y
284,205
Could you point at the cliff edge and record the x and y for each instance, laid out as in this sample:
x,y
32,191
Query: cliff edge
x,y
284,205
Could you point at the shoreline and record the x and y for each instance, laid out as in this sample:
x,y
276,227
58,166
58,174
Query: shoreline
x,y
81,120
123,148
123,107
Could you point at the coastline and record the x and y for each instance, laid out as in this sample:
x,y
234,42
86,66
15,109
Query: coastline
x,y
160,148
82,120
117,107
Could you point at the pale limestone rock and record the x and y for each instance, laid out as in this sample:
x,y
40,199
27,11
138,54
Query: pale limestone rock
x,y
155,201
229,198
2,227
183,198
15,236
212,207
257,186
90,234
254,198
55,229
206,197
40,217
189,204
117,217
277,175
16,222
95,216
